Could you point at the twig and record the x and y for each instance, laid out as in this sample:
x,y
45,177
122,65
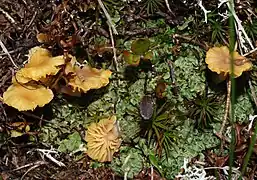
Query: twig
x,y
227,107
151,172
125,176
5,78
114,50
47,153
190,39
109,19
252,92
200,3
6,51
7,15
11,52
240,28
251,119
250,52
172,77
28,165
222,137
35,116
168,7
33,167
31,21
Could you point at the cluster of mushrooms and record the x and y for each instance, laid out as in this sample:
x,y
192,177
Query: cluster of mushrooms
x,y
32,86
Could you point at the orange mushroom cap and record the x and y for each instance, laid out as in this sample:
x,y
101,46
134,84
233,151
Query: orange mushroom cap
x,y
219,60
103,139
27,97
89,78
40,64
70,66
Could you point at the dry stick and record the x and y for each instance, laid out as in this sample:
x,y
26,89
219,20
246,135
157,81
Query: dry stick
x,y
151,172
114,50
190,39
30,169
31,21
28,165
227,107
252,92
6,51
109,19
250,52
200,3
168,7
7,15
11,52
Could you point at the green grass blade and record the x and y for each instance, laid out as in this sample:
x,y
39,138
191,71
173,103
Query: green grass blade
x,y
249,152
232,41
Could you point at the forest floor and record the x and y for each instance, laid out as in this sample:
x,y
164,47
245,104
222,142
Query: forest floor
x,y
173,112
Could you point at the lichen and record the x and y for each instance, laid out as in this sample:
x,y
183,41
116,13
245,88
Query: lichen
x,y
189,78
189,144
129,163
243,108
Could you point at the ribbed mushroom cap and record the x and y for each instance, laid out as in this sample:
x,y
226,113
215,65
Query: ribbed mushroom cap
x,y
103,139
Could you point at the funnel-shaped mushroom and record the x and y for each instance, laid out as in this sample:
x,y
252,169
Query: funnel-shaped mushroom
x,y
103,139
27,97
89,78
219,61
40,64
70,66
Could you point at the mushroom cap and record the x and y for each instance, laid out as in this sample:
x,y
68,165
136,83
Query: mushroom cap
x,y
43,38
103,139
219,60
89,78
40,64
70,66
27,97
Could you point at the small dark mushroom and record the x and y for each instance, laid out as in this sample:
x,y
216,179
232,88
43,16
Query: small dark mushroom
x,y
147,107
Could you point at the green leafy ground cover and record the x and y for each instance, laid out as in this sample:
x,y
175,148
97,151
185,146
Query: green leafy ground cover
x,y
184,121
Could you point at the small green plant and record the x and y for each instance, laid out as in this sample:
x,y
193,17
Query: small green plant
x,y
251,29
202,110
152,5
157,129
218,31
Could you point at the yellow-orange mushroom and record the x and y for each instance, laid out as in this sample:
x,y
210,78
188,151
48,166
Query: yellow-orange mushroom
x,y
40,64
103,139
87,78
219,61
27,97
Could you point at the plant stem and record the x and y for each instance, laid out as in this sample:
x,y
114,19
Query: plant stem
x,y
227,107
232,43
249,152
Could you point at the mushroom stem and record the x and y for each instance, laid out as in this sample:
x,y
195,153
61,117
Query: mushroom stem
x,y
227,107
